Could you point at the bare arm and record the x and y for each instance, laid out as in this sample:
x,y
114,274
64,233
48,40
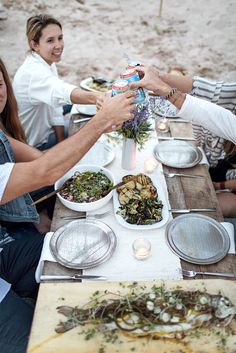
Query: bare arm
x,y
29,176
59,131
79,96
217,119
182,83
228,184
23,152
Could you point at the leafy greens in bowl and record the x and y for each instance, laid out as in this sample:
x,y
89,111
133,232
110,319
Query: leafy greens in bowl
x,y
86,187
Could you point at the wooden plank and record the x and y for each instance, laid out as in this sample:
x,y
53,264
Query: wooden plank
x,y
44,339
197,193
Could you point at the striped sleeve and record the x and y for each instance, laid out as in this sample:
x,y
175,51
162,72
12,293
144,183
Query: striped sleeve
x,y
218,92
223,94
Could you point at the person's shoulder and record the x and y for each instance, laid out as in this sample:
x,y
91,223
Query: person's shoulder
x,y
31,67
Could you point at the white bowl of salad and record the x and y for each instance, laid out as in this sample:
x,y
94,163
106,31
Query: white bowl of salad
x,y
85,187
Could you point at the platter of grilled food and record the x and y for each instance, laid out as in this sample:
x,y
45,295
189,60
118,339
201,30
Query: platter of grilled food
x,y
96,84
140,203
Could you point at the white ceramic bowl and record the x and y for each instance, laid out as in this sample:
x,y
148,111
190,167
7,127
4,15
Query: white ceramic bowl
x,y
85,206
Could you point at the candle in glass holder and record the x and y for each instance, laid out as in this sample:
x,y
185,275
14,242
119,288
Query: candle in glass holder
x,y
141,248
150,164
162,125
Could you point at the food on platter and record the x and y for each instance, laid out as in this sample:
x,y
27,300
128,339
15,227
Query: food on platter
x,y
139,312
100,87
139,203
86,187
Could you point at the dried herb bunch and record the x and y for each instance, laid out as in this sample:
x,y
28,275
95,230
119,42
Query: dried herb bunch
x,y
156,313
138,128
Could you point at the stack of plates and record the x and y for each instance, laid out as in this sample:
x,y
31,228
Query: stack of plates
x,y
198,239
83,244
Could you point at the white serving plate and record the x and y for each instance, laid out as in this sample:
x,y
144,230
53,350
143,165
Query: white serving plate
x,y
84,84
165,210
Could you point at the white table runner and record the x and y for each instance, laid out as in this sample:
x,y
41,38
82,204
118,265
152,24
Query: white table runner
x,y
162,262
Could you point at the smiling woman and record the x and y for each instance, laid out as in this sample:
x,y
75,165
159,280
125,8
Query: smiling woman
x,y
40,93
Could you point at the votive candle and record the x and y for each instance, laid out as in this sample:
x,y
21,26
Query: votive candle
x,y
141,248
162,125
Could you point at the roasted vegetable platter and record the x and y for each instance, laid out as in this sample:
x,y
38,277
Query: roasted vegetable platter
x,y
141,203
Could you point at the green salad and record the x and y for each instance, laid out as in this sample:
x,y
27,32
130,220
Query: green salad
x,y
86,187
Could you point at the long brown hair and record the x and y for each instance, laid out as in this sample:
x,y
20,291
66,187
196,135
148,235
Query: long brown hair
x,y
9,120
36,24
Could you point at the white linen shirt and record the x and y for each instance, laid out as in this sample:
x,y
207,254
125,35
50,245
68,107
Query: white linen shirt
x,y
5,172
216,119
40,96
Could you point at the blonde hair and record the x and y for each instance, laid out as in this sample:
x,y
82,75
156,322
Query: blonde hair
x,y
9,120
36,24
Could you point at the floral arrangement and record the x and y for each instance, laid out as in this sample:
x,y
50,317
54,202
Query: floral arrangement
x,y
138,128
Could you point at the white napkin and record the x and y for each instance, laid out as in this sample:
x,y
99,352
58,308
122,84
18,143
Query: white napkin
x,y
204,158
46,255
230,230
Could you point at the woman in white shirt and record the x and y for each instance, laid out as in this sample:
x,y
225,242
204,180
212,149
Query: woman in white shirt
x,y
216,119
39,91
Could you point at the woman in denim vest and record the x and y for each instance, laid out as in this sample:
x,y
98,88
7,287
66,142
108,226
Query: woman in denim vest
x,y
19,258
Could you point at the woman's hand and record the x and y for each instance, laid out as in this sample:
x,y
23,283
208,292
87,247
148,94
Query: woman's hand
x,y
100,99
151,80
114,111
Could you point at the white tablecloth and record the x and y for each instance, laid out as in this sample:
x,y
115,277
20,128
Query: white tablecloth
x,y
122,266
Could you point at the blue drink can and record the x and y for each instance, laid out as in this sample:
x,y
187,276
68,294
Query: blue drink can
x,y
119,86
131,75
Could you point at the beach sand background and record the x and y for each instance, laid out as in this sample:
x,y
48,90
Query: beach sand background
x,y
197,35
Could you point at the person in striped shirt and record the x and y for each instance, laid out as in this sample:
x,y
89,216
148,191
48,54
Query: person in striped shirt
x,y
214,128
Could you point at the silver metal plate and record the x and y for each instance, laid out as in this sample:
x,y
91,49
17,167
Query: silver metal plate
x,y
83,243
177,154
197,239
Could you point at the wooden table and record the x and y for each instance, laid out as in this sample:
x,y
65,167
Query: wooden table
x,y
183,193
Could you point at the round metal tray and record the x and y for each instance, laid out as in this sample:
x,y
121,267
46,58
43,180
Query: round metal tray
x,y
197,239
83,244
177,154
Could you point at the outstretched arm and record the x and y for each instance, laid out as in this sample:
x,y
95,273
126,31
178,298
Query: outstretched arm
x,y
45,170
218,120
182,83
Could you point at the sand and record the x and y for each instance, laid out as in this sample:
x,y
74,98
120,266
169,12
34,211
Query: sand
x,y
197,35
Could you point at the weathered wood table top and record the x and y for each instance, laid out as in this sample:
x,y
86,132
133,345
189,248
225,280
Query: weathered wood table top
x,y
183,193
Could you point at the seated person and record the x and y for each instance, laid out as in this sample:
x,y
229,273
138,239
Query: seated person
x,y
23,170
216,148
10,125
40,93
18,292
216,119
